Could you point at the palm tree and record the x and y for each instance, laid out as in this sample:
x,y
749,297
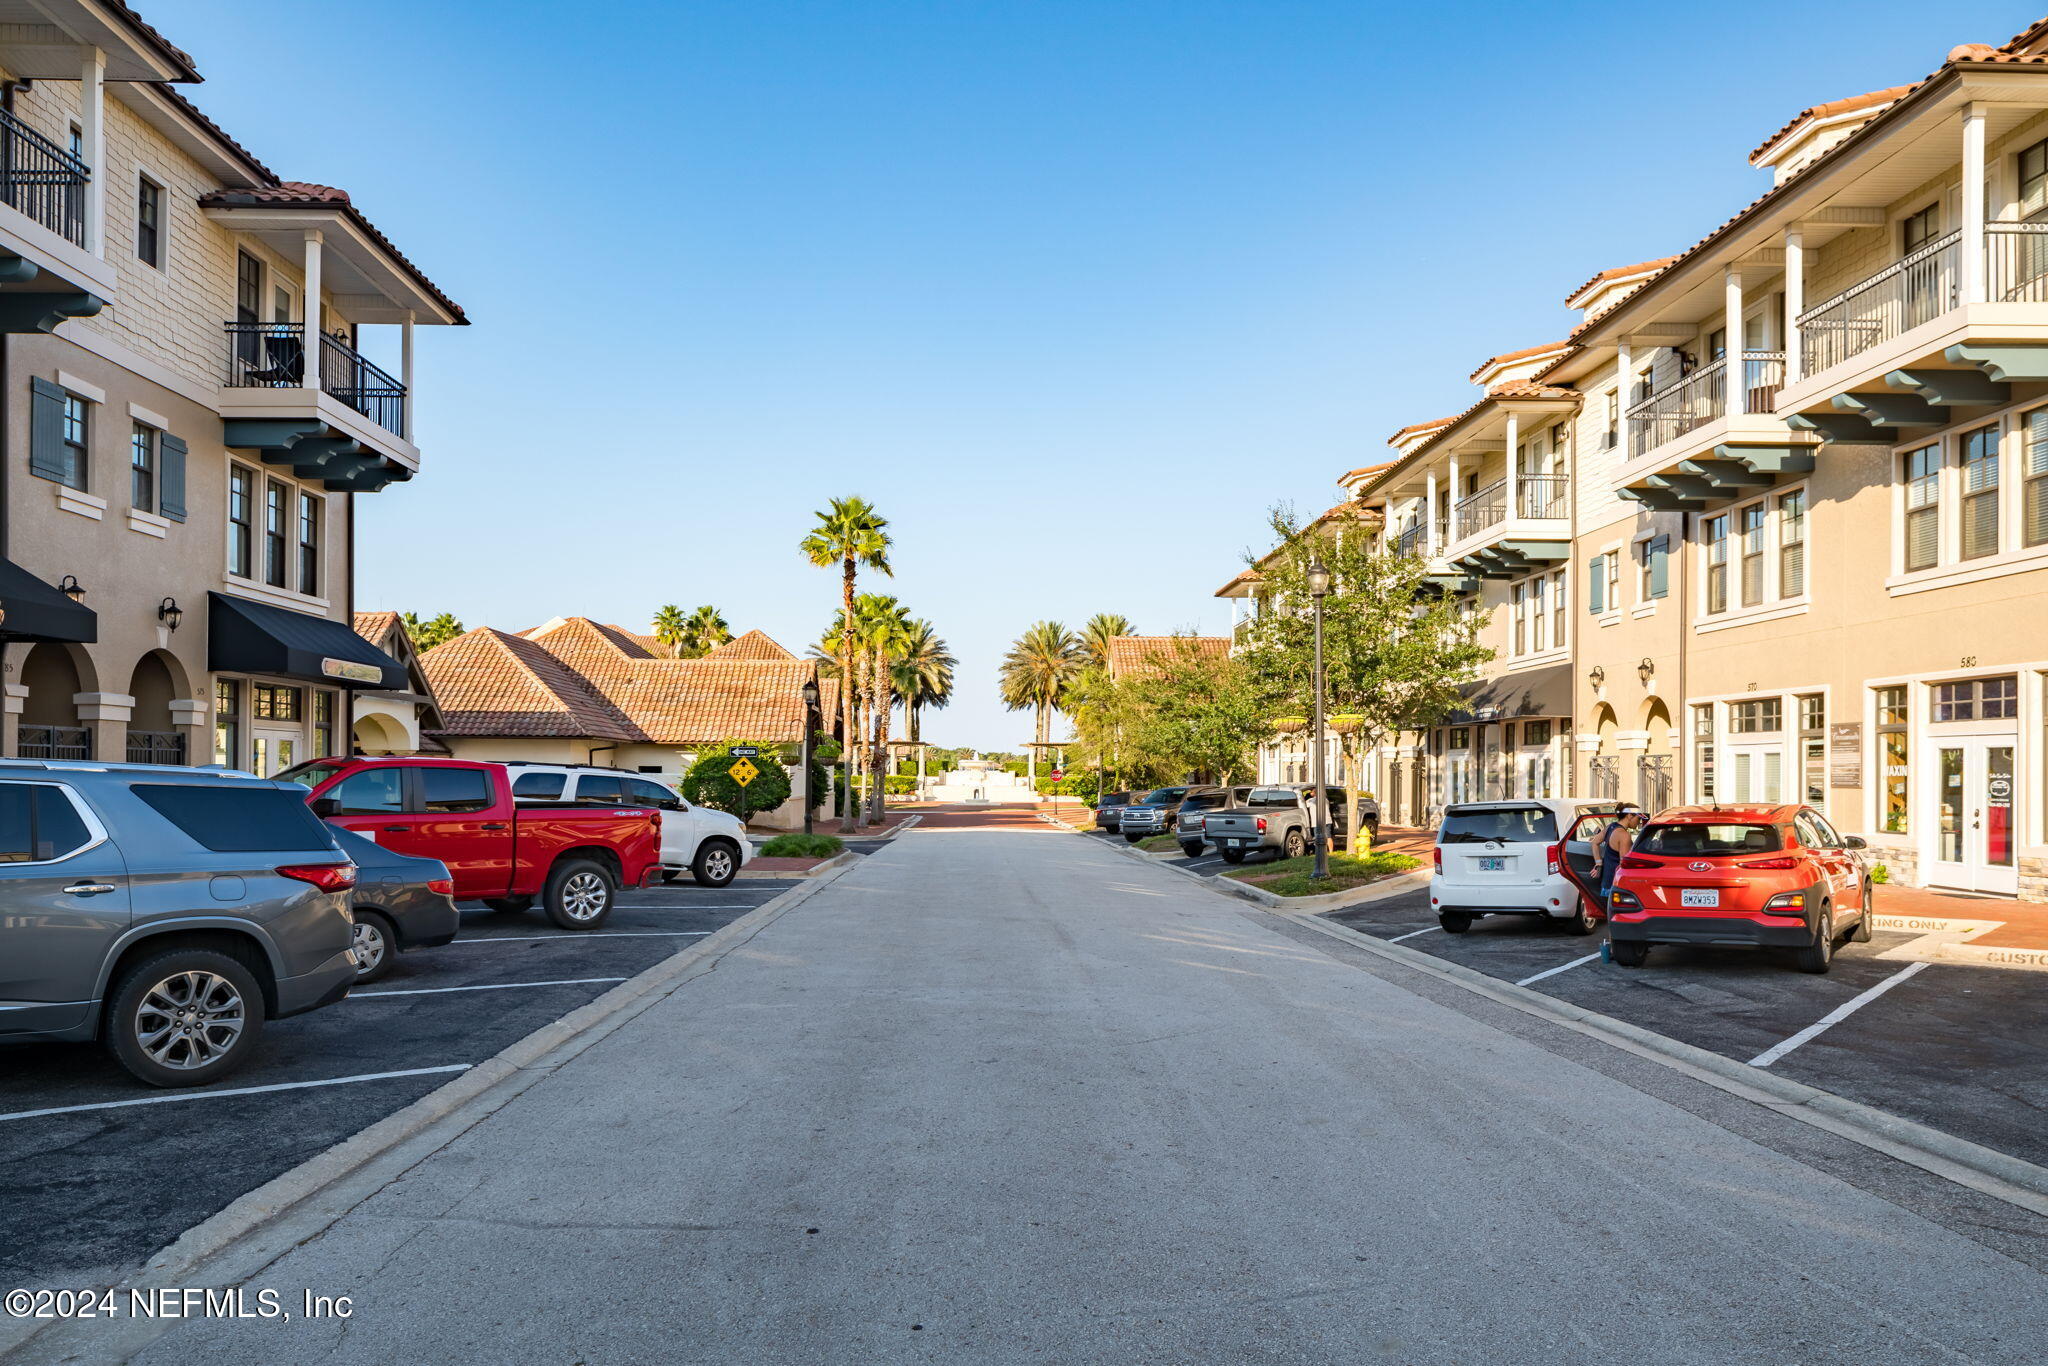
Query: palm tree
x,y
427,634
924,675
1095,636
671,627
851,535
1038,669
703,632
883,630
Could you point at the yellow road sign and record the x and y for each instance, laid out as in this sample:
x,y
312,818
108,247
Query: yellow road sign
x,y
743,772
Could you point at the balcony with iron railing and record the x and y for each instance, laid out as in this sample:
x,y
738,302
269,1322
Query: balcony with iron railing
x,y
42,180
1697,399
273,356
1914,290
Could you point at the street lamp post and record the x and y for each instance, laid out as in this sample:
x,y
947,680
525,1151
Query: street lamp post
x,y
810,691
1318,586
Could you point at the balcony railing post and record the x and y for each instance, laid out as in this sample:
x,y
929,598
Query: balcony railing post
x,y
1795,298
92,147
1970,270
1514,459
314,324
1731,333
1429,484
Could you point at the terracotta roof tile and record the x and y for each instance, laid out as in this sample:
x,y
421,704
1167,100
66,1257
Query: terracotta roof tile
x,y
1129,654
751,645
1529,388
1522,354
1620,273
376,626
1411,430
1834,107
298,194
491,683
157,40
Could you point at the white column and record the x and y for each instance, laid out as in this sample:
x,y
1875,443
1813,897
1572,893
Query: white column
x,y
1457,492
1970,273
1514,474
1429,527
92,140
1795,300
311,378
405,371
1735,374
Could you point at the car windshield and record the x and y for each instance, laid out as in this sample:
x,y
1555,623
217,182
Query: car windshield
x,y
1689,840
311,774
1506,824
1161,796
1273,796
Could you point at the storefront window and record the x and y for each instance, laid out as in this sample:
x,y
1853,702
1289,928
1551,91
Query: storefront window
x,y
323,724
1764,716
1978,699
1894,747
1703,751
275,703
227,727
1813,748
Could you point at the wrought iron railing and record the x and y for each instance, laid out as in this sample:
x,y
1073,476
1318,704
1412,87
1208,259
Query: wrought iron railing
x,y
2016,259
1477,511
42,180
273,356
1412,541
1677,408
53,742
1542,495
1915,290
156,747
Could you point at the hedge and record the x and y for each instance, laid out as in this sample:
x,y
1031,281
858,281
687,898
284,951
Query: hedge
x,y
709,781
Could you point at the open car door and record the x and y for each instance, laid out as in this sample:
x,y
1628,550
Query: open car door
x,y
1578,853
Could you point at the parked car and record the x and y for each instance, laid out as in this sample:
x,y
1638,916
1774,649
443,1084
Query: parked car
x,y
166,912
1151,814
1278,820
1511,858
1760,876
573,858
400,903
1109,809
712,846
1196,806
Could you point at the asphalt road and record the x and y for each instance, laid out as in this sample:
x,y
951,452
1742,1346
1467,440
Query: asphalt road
x,y
991,1097
88,1194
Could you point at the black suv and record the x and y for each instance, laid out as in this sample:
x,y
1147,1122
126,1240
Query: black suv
x,y
1153,813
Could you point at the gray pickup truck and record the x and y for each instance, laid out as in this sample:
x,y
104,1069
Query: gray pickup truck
x,y
1279,821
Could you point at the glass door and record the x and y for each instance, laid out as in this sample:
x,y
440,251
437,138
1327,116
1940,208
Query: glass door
x,y
1975,826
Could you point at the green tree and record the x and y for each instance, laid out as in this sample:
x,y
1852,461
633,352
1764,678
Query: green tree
x,y
1396,653
882,632
427,634
850,535
704,631
1038,670
710,782
924,676
1204,715
671,627
1096,635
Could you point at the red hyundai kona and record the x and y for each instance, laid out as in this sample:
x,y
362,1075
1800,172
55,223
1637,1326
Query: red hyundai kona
x,y
1758,876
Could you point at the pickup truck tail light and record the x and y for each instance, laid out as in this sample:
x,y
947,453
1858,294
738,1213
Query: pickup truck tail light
x,y
1262,825
441,886
328,877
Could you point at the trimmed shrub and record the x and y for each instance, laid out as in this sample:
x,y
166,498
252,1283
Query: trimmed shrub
x,y
709,781
802,846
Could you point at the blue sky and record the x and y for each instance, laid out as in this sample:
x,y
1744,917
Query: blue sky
x,y
1072,289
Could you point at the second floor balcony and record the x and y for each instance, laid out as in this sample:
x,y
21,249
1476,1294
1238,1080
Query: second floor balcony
x,y
1696,400
273,356
42,180
1512,526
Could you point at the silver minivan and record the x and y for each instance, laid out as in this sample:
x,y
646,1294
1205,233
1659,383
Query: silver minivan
x,y
167,912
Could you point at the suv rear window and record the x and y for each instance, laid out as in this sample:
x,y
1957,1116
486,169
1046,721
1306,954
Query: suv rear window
x,y
240,819
1509,824
37,824
1690,841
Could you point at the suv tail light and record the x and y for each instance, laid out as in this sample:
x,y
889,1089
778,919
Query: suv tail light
x,y
441,886
1556,852
328,877
1774,864
1436,856
1630,861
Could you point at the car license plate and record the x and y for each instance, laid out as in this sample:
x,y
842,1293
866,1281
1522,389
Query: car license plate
x,y
1493,865
1699,896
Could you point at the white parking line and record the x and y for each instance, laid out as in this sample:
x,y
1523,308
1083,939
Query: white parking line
x,y
1552,972
1412,933
218,1093
566,935
488,986
1833,1017
689,906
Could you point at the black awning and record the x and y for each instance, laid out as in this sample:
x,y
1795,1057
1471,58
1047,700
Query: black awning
x,y
36,611
1532,692
247,637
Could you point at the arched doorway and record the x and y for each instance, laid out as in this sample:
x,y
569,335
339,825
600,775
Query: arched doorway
x,y
1603,768
1656,765
50,726
377,734
153,734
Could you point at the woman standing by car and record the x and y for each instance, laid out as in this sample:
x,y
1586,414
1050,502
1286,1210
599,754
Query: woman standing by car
x,y
1614,843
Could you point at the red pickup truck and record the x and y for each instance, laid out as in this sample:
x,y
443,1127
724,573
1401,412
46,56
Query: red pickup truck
x,y
574,858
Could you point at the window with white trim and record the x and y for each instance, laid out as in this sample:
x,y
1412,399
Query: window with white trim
x,y
1978,460
1715,534
1921,472
1792,543
2034,478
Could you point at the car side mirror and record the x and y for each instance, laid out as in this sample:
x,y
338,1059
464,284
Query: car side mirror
x,y
1855,842
323,807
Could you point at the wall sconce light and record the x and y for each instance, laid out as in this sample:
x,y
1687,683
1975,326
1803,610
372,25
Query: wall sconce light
x,y
169,613
71,588
1646,670
1597,677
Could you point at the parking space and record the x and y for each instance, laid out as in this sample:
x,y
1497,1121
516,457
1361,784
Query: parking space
x,y
1960,1048
139,1166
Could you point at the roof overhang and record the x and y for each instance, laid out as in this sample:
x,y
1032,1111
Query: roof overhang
x,y
367,283
46,40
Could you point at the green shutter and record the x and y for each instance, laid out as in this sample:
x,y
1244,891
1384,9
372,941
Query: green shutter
x,y
1659,551
1596,583
170,496
46,431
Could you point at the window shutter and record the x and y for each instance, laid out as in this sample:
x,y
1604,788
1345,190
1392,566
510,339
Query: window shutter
x,y
1659,550
1596,586
171,477
46,430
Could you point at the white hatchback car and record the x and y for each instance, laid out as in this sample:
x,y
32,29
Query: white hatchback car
x,y
712,846
1509,858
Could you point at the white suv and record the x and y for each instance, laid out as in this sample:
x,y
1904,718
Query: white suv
x,y
712,846
1508,858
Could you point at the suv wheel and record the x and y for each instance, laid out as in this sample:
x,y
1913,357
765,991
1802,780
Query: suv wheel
x,y
1130,836
1294,845
1192,848
1861,934
1454,922
716,865
375,943
1817,956
579,894
1583,920
187,1017
1628,954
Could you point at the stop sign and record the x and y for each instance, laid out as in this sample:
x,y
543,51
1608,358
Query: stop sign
x,y
1058,774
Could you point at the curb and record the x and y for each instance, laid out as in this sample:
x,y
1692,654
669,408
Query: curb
x,y
839,860
237,1242
1394,884
1999,1175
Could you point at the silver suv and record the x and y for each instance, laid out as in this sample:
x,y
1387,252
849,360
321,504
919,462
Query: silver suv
x,y
167,912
